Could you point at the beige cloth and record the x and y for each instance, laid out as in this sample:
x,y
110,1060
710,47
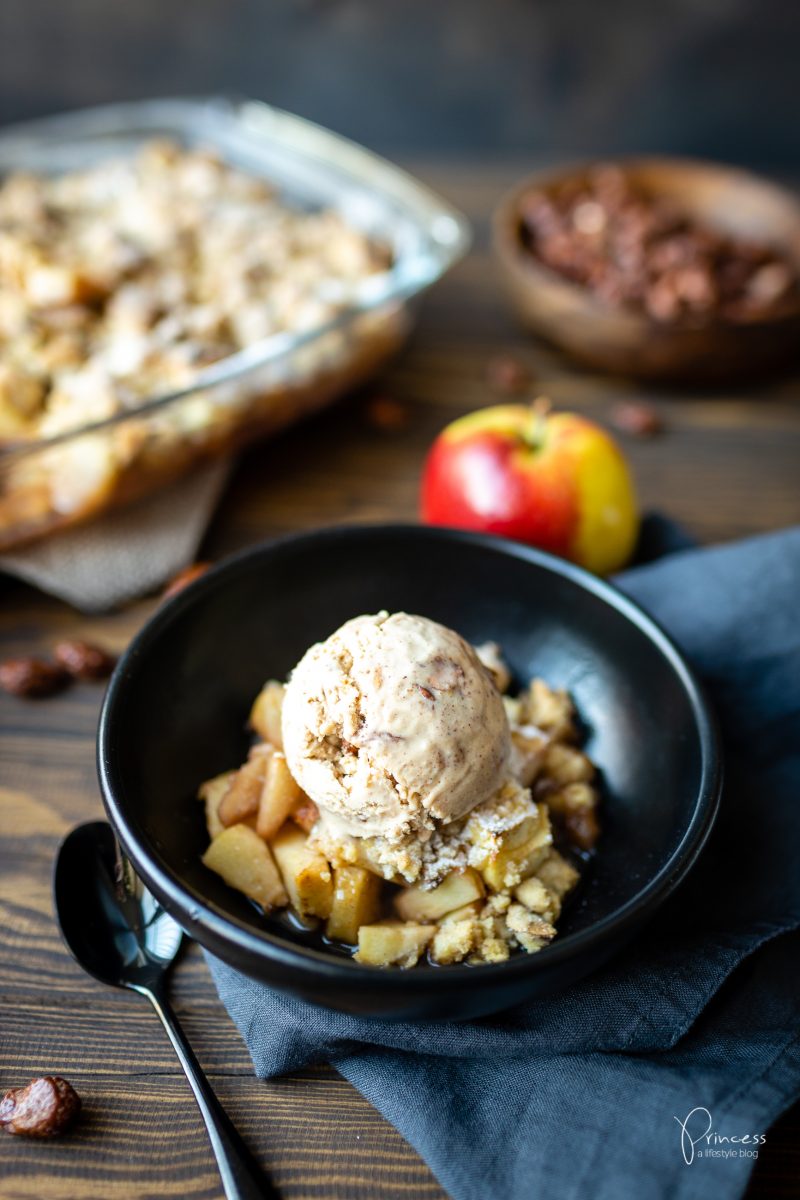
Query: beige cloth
x,y
127,553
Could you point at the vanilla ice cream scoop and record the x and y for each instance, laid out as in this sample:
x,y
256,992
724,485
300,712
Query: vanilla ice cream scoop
x,y
393,723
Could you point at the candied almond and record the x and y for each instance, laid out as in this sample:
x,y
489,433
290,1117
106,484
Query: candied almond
x,y
390,416
184,578
508,375
45,1108
637,418
84,660
32,678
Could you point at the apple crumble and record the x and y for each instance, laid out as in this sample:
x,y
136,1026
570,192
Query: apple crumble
x,y
399,798
122,282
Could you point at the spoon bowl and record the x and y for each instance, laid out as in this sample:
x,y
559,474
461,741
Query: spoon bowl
x,y
119,933
114,927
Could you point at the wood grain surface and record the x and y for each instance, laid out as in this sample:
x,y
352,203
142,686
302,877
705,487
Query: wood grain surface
x,y
726,465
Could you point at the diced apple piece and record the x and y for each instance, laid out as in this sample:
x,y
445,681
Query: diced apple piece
x,y
265,715
462,914
510,868
307,876
515,861
306,814
211,793
356,902
456,890
245,862
243,794
389,943
279,795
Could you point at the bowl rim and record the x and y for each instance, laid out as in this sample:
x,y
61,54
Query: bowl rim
x,y
211,926
530,273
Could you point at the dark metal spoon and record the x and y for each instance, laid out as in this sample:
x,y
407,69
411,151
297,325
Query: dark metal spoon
x,y
119,933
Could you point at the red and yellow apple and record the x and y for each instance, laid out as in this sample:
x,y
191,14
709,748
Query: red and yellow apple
x,y
554,480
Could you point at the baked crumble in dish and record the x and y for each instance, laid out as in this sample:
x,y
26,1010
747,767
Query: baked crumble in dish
x,y
123,282
401,801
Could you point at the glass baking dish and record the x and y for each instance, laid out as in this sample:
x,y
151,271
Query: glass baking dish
x,y
51,483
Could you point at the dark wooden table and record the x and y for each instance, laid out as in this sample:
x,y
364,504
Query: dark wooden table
x,y
727,465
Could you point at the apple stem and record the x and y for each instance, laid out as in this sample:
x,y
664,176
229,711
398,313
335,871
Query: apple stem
x,y
540,409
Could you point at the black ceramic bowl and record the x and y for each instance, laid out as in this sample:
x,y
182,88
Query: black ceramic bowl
x,y
176,708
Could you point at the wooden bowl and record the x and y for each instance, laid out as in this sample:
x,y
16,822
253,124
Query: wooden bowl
x,y
627,340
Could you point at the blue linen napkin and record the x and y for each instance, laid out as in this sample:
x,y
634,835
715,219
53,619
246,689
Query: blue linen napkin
x,y
642,1080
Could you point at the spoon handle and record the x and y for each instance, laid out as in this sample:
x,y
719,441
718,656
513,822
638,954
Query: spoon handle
x,y
242,1178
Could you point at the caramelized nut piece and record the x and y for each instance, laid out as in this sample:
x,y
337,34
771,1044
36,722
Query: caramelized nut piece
x,y
184,578
636,418
45,1108
32,677
508,376
84,660
387,415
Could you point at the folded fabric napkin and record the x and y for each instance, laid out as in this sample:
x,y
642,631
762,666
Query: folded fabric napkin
x,y
607,1090
126,552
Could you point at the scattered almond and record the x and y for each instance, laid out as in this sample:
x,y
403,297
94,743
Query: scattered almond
x,y
637,418
508,376
84,660
45,1108
387,415
184,578
32,678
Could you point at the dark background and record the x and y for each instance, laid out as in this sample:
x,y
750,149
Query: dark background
x,y
438,77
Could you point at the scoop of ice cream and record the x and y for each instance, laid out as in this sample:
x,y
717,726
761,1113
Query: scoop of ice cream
x,y
392,724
